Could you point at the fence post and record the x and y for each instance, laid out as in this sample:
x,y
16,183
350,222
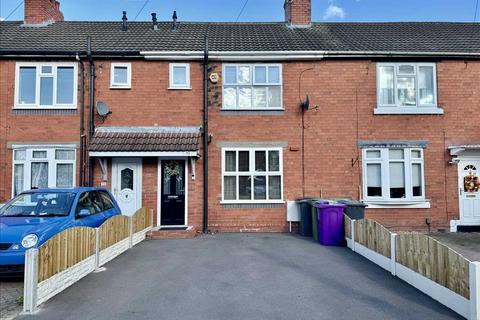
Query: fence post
x,y
130,232
151,217
474,290
97,248
393,254
352,227
30,285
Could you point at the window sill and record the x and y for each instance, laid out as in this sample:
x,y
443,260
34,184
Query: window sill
x,y
382,204
407,110
252,202
32,107
179,88
252,109
120,87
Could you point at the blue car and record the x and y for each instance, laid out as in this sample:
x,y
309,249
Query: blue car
x,y
33,217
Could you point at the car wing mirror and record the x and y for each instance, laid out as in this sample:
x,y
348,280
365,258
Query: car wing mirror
x,y
83,213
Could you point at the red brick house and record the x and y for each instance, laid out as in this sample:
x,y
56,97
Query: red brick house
x,y
393,116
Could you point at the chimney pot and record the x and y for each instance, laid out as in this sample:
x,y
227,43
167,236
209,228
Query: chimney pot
x,y
174,18
124,21
154,21
39,12
298,13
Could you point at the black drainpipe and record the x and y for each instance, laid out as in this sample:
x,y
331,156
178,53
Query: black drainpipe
x,y
205,137
91,127
82,125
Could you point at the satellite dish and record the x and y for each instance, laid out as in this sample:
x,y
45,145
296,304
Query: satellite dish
x,y
102,109
306,103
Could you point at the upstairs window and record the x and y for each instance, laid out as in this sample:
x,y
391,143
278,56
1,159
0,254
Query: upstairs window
x,y
46,86
121,76
393,174
180,76
407,86
257,87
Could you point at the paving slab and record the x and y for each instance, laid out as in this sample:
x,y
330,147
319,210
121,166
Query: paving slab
x,y
10,292
241,276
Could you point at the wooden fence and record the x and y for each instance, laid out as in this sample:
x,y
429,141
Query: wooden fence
x,y
74,253
374,236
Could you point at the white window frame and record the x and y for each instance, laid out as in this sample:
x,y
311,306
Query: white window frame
x,y
252,173
50,159
113,84
172,85
396,108
385,200
253,84
38,66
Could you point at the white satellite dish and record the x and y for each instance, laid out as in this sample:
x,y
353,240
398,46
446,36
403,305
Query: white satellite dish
x,y
102,109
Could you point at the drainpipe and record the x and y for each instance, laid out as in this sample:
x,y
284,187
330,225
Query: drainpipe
x,y
82,120
91,128
205,137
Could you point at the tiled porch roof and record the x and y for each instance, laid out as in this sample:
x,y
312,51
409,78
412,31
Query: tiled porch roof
x,y
146,139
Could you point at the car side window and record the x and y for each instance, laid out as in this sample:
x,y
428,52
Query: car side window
x,y
85,203
96,201
107,200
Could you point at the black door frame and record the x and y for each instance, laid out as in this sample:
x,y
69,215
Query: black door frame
x,y
159,190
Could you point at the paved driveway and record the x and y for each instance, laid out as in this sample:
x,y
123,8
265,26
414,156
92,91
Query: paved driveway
x,y
241,276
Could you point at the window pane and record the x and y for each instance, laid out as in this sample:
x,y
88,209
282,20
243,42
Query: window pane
x,y
406,69
65,89
406,91
180,76
20,154
230,188
18,177
417,180
47,69
244,75
260,187
273,161
386,90
39,175
396,154
231,75
260,161
416,154
425,85
65,154
374,180
245,97
274,187
274,75
274,97
245,188
39,154
46,91
397,180
120,75
374,154
260,97
260,74
27,83
230,161
243,161
107,200
64,175
230,97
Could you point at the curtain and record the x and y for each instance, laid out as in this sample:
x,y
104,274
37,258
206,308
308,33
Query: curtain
x,y
397,175
39,175
64,175
374,175
386,85
425,85
18,179
274,187
230,188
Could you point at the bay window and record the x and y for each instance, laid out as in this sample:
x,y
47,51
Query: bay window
x,y
43,168
407,88
257,87
393,175
45,86
252,175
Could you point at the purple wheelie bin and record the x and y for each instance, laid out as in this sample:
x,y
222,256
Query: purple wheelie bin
x,y
330,224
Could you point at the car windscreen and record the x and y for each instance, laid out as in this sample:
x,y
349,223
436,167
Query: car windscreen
x,y
41,204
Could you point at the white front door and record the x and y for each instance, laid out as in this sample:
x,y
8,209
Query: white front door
x,y
469,174
127,184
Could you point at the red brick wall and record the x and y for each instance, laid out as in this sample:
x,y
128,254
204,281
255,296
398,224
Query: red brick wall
x,y
40,11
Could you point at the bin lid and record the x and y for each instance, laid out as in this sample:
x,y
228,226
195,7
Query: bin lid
x,y
329,205
313,201
351,203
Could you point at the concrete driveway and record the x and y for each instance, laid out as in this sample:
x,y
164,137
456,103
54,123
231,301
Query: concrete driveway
x,y
241,276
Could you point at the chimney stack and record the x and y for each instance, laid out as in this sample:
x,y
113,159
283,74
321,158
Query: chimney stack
x,y
298,13
174,21
154,22
124,21
38,12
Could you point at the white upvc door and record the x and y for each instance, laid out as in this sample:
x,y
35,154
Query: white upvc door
x,y
469,189
127,184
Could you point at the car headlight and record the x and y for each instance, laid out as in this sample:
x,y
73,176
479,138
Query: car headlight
x,y
29,241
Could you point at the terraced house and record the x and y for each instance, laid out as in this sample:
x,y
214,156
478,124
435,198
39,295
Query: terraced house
x,y
219,125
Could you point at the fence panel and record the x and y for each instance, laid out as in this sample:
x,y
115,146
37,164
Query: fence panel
x,y
65,250
113,231
434,261
348,226
141,220
373,236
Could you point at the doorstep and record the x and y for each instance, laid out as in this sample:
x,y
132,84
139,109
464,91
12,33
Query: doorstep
x,y
159,233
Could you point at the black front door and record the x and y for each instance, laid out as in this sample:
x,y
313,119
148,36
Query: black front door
x,y
173,193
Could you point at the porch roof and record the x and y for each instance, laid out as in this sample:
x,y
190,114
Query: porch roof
x,y
459,149
146,139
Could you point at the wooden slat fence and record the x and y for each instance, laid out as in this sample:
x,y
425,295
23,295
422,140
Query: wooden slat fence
x,y
374,236
142,219
65,250
434,261
347,222
113,231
